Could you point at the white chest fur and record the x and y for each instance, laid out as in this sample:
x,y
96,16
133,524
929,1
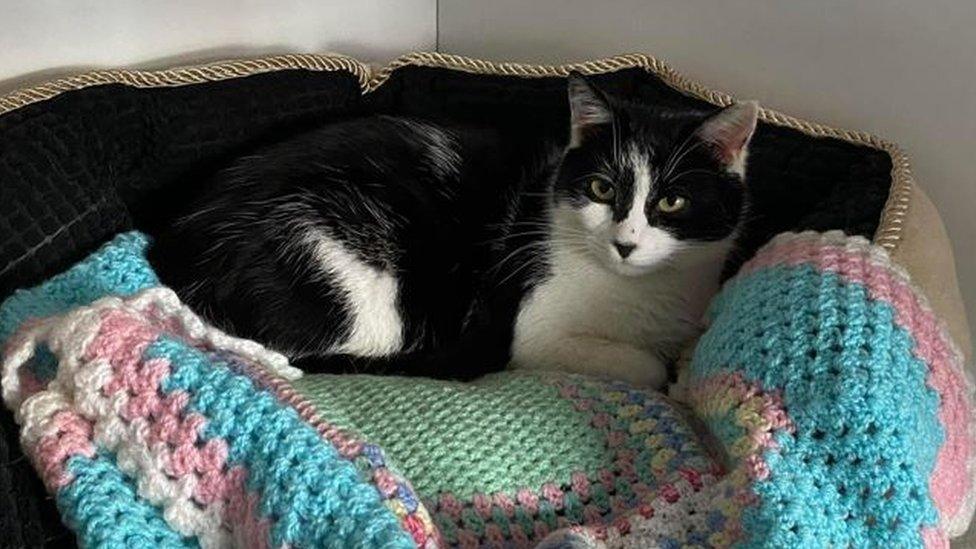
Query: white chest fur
x,y
585,318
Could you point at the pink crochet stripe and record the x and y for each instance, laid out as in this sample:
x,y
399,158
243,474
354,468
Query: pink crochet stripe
x,y
121,341
72,436
242,513
949,482
934,538
721,387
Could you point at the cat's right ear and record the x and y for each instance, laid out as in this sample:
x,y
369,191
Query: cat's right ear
x,y
588,108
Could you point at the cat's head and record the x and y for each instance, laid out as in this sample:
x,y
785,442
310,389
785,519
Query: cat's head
x,y
643,186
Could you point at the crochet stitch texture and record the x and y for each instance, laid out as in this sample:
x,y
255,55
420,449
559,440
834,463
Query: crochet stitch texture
x,y
840,403
825,405
151,435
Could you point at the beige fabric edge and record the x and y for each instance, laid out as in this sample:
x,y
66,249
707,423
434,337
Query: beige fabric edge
x,y
913,248
927,256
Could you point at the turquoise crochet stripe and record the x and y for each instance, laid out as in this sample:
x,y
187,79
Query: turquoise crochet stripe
x,y
316,498
119,267
102,507
867,428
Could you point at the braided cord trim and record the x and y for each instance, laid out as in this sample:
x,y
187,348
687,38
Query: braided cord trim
x,y
182,76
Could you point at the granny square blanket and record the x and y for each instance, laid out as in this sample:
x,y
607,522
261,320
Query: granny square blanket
x,y
825,405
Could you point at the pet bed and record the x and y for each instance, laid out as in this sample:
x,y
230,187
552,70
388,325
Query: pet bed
x,y
826,404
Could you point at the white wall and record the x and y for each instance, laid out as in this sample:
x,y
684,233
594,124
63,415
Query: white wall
x,y
44,38
902,69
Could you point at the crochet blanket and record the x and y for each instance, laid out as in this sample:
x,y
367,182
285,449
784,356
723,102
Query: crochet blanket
x,y
825,405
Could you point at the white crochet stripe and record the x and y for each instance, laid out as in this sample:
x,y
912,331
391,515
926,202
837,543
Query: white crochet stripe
x,y
77,385
145,462
195,328
36,414
56,332
167,303
671,520
957,524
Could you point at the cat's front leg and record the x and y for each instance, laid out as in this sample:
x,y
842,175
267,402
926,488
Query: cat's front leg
x,y
593,356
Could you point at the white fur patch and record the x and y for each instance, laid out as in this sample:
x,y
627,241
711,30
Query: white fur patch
x,y
595,214
632,228
654,246
371,294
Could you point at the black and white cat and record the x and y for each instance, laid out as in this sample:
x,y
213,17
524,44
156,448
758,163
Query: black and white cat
x,y
385,244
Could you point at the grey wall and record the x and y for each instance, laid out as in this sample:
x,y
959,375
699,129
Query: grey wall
x,y
902,69
40,39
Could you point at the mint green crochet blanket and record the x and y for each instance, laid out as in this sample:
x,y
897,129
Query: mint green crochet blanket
x,y
824,406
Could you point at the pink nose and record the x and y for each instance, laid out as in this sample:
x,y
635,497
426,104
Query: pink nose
x,y
623,248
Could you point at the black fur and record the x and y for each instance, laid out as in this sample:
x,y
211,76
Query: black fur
x,y
376,185
461,237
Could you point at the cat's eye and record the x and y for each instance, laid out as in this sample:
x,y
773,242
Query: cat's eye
x,y
672,204
601,190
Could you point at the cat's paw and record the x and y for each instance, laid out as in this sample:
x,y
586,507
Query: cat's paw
x,y
630,364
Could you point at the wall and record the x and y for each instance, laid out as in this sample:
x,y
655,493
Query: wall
x,y
45,38
901,69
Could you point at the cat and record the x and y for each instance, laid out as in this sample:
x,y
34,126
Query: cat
x,y
392,245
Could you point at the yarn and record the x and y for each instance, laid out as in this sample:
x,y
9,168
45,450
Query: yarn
x,y
824,405
219,459
497,461
440,430
102,507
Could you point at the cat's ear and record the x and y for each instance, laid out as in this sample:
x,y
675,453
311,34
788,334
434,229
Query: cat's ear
x,y
588,108
728,132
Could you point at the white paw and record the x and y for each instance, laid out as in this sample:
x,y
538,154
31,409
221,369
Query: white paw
x,y
630,364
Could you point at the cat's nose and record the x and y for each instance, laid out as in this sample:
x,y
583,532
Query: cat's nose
x,y
623,248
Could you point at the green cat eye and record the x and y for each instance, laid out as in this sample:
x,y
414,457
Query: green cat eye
x,y
672,204
601,190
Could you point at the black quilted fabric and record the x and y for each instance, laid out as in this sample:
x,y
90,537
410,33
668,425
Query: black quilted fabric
x,y
89,163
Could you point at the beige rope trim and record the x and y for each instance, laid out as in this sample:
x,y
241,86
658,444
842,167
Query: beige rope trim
x,y
896,208
893,215
181,76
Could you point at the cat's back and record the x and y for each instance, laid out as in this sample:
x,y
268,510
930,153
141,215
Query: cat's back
x,y
306,244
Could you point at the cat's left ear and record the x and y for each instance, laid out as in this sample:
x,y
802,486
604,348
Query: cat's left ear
x,y
729,131
588,108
